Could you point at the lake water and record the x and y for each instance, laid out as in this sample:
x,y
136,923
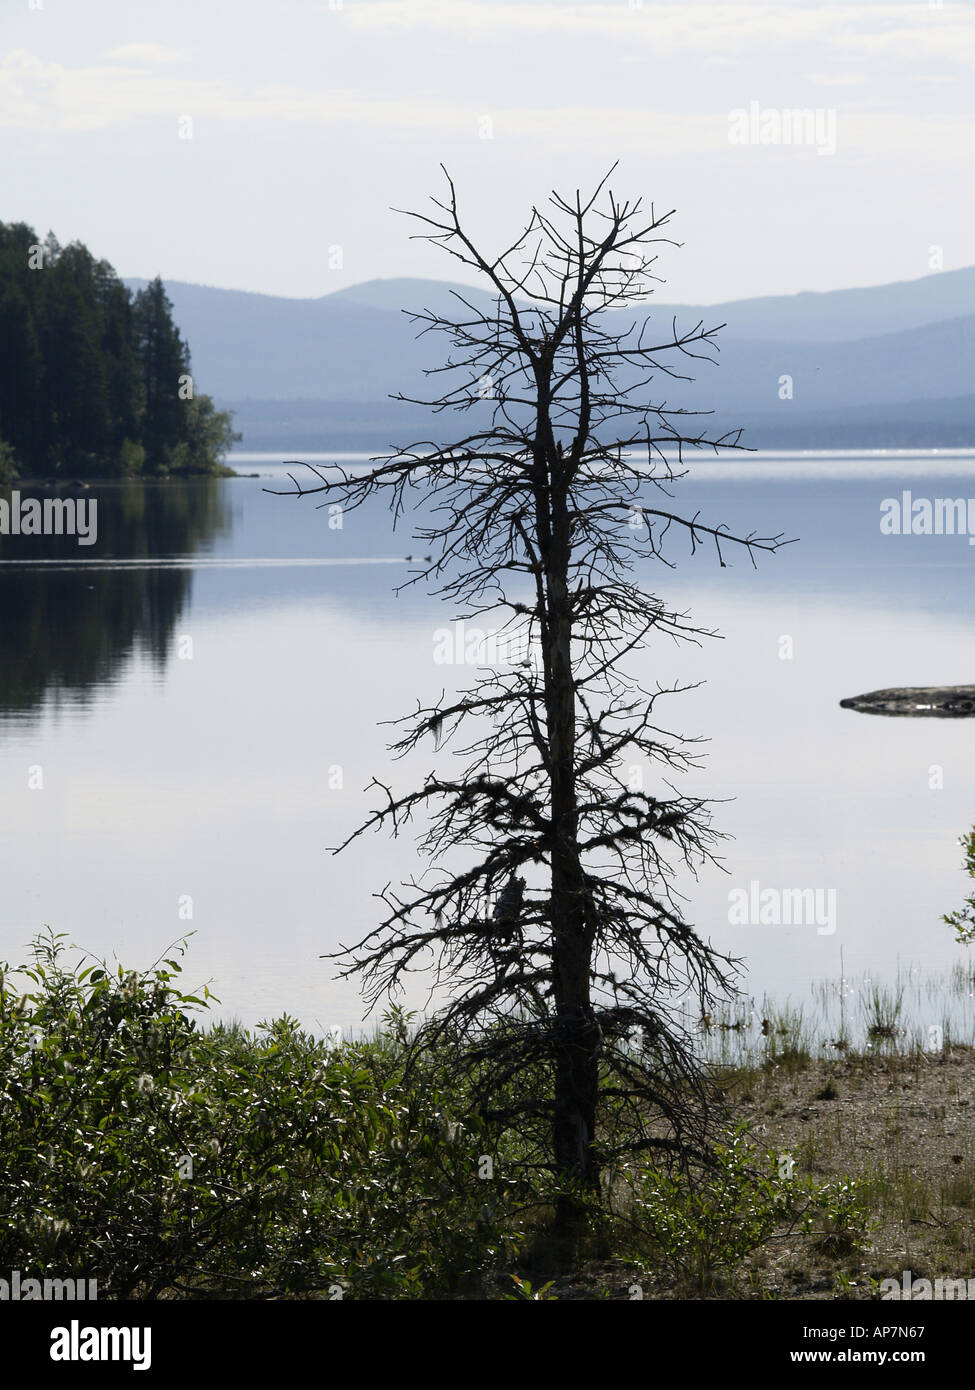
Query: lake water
x,y
179,700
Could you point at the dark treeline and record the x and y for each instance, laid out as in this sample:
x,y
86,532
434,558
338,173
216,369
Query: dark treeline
x,y
94,382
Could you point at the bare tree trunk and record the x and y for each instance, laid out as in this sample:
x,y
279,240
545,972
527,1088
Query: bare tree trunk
x,y
577,1035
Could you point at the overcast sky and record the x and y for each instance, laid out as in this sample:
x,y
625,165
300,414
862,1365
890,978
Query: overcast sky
x,y
309,118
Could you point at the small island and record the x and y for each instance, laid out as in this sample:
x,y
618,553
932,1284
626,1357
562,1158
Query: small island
x,y
918,701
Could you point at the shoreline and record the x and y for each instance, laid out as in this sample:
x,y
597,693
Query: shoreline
x,y
49,484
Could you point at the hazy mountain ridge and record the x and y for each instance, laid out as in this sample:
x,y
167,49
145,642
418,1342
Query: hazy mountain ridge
x,y
879,358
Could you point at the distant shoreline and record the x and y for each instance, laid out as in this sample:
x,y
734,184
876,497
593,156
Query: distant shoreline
x,y
49,484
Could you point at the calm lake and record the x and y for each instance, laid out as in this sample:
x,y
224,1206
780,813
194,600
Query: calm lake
x,y
190,712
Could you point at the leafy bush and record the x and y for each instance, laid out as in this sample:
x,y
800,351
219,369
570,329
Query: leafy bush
x,y
710,1221
165,1160
706,1222
837,1216
964,921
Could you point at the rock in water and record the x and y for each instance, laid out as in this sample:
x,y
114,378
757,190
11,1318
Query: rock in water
x,y
919,701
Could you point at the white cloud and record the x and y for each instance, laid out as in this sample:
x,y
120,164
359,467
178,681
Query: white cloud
x,y
43,96
50,97
837,79
721,28
664,28
147,53
946,34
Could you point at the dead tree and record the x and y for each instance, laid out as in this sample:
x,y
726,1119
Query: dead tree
x,y
529,519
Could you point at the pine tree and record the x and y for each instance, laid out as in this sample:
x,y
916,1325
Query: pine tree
x,y
165,361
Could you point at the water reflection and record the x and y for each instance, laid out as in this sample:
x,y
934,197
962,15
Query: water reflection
x,y
72,619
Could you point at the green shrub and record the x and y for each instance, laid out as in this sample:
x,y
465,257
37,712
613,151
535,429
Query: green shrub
x,y
964,920
162,1159
837,1217
707,1222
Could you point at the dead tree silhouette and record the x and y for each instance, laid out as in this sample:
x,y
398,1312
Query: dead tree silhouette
x,y
564,806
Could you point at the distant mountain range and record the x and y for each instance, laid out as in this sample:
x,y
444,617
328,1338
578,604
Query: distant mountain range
x,y
888,366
